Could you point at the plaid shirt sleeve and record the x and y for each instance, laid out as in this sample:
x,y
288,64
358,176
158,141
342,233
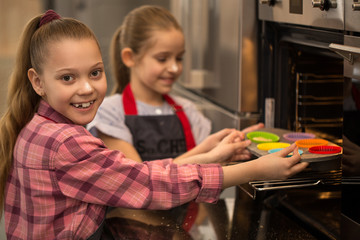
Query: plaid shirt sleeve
x,y
87,171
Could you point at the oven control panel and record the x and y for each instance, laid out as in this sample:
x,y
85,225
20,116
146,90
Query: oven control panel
x,y
324,5
269,2
356,5
352,15
317,13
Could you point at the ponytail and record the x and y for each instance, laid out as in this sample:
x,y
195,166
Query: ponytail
x,y
121,73
22,102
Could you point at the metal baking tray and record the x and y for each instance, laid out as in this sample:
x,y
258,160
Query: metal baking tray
x,y
306,156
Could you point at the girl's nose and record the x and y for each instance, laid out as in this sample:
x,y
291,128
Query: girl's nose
x,y
173,67
86,88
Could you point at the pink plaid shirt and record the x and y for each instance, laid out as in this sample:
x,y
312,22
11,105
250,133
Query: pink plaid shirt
x,y
63,179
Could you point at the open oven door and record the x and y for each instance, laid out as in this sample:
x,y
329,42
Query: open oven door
x,y
350,222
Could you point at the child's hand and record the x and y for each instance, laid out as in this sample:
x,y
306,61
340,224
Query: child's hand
x,y
277,166
220,147
231,148
252,128
214,139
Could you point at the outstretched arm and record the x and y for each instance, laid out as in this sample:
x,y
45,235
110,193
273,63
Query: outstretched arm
x,y
275,166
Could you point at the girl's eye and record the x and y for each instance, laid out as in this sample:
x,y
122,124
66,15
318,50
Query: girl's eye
x,y
67,78
96,73
179,59
161,59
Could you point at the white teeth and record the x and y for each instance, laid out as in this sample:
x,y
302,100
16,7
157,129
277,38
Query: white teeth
x,y
83,105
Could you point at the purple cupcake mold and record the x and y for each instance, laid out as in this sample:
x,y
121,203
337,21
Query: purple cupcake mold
x,y
298,136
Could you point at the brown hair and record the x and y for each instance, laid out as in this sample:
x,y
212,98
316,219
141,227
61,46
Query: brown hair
x,y
22,100
134,33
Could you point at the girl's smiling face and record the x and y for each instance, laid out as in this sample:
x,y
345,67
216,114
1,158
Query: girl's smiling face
x,y
72,79
156,68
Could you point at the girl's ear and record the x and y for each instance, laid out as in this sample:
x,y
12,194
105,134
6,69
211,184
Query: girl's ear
x,y
127,56
36,82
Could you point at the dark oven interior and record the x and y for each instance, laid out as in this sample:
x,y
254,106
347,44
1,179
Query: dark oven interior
x,y
304,77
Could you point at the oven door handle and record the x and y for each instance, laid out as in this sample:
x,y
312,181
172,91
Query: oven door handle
x,y
347,52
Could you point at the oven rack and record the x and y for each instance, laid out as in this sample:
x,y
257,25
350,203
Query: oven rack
x,y
310,104
354,180
309,179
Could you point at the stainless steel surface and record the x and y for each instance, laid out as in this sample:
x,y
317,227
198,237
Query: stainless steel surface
x,y
347,52
352,15
352,68
290,183
306,179
265,2
220,117
303,13
260,186
356,6
269,112
221,51
302,180
324,4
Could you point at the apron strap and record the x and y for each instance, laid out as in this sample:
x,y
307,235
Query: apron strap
x,y
190,143
130,109
193,208
129,101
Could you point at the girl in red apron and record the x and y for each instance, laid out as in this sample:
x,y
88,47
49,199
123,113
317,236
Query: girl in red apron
x,y
160,128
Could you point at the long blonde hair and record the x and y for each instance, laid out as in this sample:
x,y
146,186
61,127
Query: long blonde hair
x,y
134,33
22,100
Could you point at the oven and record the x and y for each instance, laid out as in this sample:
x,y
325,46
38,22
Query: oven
x,y
309,70
350,50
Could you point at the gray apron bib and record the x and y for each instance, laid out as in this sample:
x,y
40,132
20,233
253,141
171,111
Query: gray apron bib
x,y
157,137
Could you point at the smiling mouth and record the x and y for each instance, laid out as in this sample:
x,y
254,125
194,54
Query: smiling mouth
x,y
83,105
168,79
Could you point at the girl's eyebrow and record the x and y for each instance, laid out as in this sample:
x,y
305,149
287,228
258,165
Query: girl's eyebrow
x,y
182,52
169,52
99,64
